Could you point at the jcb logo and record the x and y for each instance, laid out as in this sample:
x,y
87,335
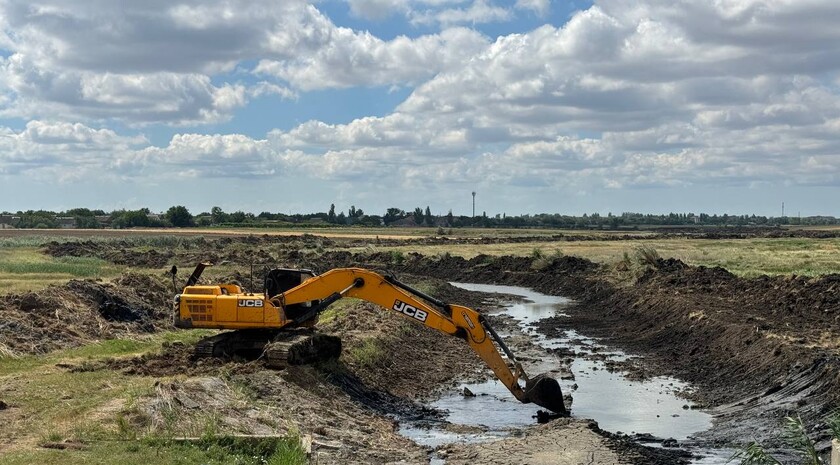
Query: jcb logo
x,y
410,310
250,303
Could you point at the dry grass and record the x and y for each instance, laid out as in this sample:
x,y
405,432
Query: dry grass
x,y
744,257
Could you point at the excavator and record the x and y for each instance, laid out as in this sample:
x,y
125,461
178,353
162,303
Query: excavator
x,y
278,324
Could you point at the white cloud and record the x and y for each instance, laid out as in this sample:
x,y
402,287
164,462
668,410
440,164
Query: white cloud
x,y
163,62
355,59
62,152
540,7
627,94
377,9
479,11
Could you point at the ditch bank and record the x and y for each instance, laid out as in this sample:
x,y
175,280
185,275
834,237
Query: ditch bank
x,y
757,349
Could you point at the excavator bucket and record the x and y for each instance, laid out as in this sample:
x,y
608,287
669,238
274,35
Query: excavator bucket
x,y
545,391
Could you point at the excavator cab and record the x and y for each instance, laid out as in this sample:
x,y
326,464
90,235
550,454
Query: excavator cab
x,y
280,280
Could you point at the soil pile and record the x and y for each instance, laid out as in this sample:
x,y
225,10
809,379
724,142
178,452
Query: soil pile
x,y
82,311
242,250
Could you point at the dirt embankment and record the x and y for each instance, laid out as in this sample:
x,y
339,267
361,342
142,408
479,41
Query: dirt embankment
x,y
237,250
561,441
80,312
758,349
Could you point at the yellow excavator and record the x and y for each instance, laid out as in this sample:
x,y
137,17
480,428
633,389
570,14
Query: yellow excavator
x,y
278,323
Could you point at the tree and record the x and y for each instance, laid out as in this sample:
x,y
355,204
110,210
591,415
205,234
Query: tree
x,y
219,216
87,222
237,217
393,214
418,216
131,218
428,214
85,218
449,218
331,214
180,217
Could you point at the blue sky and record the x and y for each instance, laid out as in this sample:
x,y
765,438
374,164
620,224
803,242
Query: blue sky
x,y
537,105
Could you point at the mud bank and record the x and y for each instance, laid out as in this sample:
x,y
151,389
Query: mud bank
x,y
757,349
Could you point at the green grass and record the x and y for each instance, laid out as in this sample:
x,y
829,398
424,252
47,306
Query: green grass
x,y
369,354
54,403
103,349
216,450
25,269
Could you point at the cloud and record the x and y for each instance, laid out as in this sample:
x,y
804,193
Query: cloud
x,y
540,7
377,10
161,62
62,152
625,95
133,98
478,12
361,59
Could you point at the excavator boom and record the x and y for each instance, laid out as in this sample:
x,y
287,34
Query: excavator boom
x,y
318,292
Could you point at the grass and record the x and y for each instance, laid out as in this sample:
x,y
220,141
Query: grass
x,y
743,257
50,403
215,450
337,310
795,436
369,354
99,350
25,269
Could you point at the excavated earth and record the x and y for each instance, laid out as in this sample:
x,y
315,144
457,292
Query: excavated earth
x,y
756,349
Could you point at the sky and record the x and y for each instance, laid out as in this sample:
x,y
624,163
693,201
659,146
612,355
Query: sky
x,y
719,106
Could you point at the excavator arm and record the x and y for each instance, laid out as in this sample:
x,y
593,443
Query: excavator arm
x,y
455,320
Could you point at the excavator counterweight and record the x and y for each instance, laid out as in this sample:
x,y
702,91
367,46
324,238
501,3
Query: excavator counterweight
x,y
276,322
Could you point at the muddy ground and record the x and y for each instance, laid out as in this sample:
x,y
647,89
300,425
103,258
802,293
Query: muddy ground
x,y
349,408
757,349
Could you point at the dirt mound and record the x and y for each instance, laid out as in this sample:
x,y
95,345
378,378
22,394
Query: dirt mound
x,y
82,311
242,250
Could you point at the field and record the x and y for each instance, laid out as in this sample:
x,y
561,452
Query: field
x,y
92,371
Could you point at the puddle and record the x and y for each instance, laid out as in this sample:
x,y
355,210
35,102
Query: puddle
x,y
615,402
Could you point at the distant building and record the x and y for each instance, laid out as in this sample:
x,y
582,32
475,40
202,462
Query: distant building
x,y
103,220
8,221
66,222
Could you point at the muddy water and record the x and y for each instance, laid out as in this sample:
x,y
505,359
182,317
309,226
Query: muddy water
x,y
615,402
